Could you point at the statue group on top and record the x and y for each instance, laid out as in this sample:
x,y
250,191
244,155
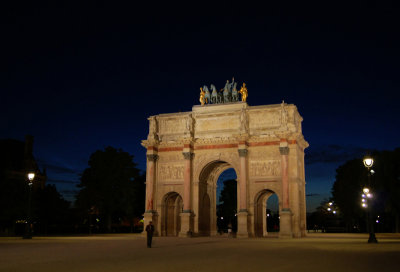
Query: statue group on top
x,y
226,95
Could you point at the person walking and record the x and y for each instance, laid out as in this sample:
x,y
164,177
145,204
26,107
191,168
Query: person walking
x,y
150,231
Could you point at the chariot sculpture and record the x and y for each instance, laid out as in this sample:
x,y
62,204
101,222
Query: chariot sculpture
x,y
228,94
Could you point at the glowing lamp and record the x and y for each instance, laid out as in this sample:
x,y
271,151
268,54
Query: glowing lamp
x,y
368,162
31,176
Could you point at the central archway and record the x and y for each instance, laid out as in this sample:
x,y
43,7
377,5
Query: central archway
x,y
207,195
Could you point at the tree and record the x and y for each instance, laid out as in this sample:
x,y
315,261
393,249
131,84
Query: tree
x,y
228,206
111,185
51,210
352,176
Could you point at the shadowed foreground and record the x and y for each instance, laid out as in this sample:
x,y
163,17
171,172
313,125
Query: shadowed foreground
x,y
317,252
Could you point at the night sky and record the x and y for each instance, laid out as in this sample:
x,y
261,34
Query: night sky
x,y
80,77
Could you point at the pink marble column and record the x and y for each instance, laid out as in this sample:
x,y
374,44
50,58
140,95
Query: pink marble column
x,y
284,150
243,180
151,160
186,181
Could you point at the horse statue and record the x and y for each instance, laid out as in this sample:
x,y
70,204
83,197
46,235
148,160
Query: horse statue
x,y
243,92
235,96
202,94
220,97
214,95
207,97
227,95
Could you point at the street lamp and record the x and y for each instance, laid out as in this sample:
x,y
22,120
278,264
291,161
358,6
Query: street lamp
x,y
366,196
28,230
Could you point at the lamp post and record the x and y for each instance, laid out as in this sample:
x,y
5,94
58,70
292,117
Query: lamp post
x,y
367,197
28,230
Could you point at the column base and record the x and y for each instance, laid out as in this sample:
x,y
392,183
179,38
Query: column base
x,y
242,224
285,224
186,224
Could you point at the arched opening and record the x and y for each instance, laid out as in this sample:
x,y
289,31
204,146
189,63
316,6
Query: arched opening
x,y
208,186
227,201
172,207
266,213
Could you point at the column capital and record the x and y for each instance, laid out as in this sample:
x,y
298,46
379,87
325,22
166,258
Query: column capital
x,y
188,155
152,157
284,150
243,152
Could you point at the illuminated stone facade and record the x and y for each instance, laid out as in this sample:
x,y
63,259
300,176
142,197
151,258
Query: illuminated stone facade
x,y
186,153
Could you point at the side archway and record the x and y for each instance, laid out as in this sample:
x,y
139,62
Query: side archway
x,y
172,206
260,212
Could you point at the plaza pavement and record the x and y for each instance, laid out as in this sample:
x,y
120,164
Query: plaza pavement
x,y
128,252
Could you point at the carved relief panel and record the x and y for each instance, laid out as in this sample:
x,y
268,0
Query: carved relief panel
x,y
168,172
265,168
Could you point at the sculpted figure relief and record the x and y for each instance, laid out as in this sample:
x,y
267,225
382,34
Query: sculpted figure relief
x,y
265,168
168,172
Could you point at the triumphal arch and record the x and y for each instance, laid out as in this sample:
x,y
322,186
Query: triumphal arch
x,y
187,151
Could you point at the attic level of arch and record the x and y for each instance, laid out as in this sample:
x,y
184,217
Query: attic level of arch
x,y
225,126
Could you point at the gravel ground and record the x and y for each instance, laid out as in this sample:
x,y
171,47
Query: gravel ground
x,y
126,252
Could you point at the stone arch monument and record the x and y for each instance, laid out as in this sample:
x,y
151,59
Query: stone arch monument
x,y
187,151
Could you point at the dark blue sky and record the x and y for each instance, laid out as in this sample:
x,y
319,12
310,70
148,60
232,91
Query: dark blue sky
x,y
80,77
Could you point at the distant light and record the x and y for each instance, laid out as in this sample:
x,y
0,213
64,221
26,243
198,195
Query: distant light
x,y
369,195
334,212
366,190
368,161
329,209
372,171
363,196
330,203
222,218
364,205
363,200
31,176
377,221
267,214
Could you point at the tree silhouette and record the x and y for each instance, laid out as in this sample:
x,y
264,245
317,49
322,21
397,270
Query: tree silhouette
x,y
228,207
111,186
352,176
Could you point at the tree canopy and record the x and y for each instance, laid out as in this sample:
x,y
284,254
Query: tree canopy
x,y
352,176
228,206
112,186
